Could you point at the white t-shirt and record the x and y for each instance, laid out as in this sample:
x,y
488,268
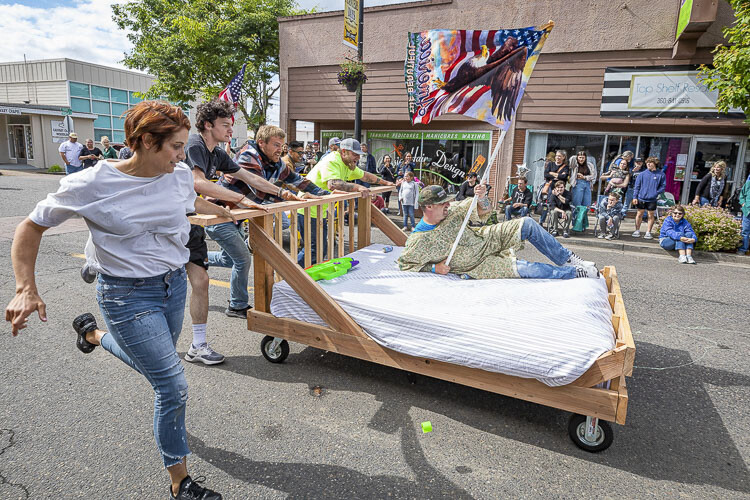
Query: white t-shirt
x,y
72,152
138,224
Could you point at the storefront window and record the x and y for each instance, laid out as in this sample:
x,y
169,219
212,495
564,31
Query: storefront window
x,y
672,153
442,158
708,152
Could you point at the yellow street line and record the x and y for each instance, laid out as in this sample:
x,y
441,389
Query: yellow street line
x,y
223,284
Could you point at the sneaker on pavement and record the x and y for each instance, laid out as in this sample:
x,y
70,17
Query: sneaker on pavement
x,y
587,272
648,236
600,236
404,229
636,234
575,260
237,313
204,354
690,259
192,489
682,259
553,233
566,235
88,274
609,236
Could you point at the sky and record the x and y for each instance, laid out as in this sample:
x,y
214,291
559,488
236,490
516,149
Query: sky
x,y
84,30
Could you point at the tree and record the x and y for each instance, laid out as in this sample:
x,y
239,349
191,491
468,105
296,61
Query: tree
x,y
195,47
730,74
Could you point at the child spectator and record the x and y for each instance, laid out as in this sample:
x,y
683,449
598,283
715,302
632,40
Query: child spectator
x,y
609,216
677,234
407,196
648,186
617,178
559,206
379,203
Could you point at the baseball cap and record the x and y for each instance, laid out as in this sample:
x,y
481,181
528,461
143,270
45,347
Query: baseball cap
x,y
433,195
73,135
333,141
352,145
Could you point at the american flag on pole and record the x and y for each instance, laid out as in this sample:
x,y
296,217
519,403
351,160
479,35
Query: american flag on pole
x,y
231,93
482,74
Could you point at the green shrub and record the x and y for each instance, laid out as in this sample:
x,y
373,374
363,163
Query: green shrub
x,y
54,169
716,228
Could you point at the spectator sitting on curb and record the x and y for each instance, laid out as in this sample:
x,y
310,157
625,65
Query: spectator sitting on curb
x,y
677,234
648,186
609,216
519,203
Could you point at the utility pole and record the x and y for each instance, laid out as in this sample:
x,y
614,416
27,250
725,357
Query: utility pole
x,y
358,105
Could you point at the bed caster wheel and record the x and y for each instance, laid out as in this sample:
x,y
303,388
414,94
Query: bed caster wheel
x,y
599,440
274,350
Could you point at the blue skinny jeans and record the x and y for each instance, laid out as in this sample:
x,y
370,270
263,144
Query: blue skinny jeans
x,y
581,193
550,248
408,215
235,255
144,319
670,244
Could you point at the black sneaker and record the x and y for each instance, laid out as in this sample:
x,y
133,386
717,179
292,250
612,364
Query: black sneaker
x,y
87,274
84,324
191,489
237,313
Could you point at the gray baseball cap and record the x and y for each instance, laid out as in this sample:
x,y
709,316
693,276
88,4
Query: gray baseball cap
x,y
434,195
352,145
334,141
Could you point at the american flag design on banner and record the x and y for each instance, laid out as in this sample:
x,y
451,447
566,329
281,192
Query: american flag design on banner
x,y
231,93
481,74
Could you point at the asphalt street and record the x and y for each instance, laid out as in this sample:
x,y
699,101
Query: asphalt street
x,y
80,426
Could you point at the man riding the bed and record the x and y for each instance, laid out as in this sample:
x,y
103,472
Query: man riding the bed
x,y
485,252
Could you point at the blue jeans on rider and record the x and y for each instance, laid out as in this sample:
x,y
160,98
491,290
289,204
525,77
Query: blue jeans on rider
x,y
143,317
550,248
234,254
510,212
313,239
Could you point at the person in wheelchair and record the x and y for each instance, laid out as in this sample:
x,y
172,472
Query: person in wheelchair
x,y
559,206
609,216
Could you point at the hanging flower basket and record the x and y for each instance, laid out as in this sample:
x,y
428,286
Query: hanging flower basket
x,y
352,75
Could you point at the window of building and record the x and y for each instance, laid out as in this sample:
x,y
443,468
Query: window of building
x,y
100,107
79,89
118,123
118,136
80,105
99,132
103,121
100,93
134,99
118,109
119,96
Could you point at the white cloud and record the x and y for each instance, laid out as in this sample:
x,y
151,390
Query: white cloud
x,y
83,31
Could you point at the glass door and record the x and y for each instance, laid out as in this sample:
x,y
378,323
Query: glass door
x,y
18,139
707,151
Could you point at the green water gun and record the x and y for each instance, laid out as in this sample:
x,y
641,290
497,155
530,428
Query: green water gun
x,y
331,268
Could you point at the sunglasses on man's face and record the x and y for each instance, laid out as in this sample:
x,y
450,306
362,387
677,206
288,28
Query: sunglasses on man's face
x,y
296,151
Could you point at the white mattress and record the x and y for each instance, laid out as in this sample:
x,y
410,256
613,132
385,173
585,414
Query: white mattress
x,y
550,330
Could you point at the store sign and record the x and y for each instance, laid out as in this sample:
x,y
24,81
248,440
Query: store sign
x,y
60,130
431,136
659,92
5,110
351,24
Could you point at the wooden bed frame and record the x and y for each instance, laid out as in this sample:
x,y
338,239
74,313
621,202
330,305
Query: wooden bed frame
x,y
600,393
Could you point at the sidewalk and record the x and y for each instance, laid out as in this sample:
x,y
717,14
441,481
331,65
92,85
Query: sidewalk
x,y
625,242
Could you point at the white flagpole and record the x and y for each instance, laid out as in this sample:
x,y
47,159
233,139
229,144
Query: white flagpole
x,y
485,178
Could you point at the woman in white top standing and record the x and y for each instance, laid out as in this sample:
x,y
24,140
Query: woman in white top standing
x,y
135,210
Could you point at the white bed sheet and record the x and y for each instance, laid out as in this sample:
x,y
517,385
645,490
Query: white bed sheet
x,y
550,330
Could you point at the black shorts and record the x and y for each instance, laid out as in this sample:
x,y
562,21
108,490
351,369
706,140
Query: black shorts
x,y
646,205
197,246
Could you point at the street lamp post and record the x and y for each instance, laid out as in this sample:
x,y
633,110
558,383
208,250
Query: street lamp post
x,y
358,105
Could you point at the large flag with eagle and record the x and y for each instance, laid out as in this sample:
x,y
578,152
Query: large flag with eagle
x,y
481,74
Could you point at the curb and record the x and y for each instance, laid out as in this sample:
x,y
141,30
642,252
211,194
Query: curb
x,y
657,250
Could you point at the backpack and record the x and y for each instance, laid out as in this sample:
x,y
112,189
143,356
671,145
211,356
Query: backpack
x,y
733,202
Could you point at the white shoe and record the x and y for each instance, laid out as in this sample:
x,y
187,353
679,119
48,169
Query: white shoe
x,y
600,236
648,236
690,259
575,260
609,236
636,234
587,272
682,259
204,354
